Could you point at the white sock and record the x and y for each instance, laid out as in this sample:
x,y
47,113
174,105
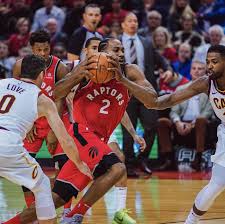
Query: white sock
x,y
192,218
121,197
89,211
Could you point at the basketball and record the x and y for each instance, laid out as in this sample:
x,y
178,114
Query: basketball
x,y
101,74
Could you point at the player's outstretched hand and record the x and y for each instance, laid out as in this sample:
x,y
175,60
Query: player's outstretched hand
x,y
141,141
31,134
83,167
115,67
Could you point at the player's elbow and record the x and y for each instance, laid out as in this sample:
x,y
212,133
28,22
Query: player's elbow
x,y
149,106
151,103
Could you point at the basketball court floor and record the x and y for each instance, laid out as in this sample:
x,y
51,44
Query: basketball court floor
x,y
163,198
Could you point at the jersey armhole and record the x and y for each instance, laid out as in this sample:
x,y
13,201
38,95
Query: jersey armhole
x,y
210,81
40,93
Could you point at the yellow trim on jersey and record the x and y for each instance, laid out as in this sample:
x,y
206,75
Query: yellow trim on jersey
x,y
220,91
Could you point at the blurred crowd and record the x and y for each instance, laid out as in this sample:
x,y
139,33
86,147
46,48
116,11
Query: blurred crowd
x,y
169,36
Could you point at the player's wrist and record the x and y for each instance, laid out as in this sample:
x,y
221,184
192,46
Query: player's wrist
x,y
134,135
123,79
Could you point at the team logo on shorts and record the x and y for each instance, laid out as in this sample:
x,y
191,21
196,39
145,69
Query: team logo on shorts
x,y
35,172
93,152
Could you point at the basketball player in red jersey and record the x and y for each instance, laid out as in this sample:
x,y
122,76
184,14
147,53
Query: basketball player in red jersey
x,y
99,109
120,189
56,70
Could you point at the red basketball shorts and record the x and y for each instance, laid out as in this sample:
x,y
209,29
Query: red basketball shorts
x,y
94,152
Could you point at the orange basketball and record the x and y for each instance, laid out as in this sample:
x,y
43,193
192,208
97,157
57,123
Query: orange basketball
x,y
101,74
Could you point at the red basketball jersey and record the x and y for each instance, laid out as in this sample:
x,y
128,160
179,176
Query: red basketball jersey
x,y
101,106
47,87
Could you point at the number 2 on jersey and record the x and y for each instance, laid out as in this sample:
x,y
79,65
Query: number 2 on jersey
x,y
6,103
103,109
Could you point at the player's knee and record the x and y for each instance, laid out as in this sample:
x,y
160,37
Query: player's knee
x,y
43,184
64,191
116,149
118,170
122,157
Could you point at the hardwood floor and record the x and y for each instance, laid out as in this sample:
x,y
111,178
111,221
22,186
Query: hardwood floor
x,y
162,199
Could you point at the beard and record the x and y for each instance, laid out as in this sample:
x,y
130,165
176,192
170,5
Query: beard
x,y
214,75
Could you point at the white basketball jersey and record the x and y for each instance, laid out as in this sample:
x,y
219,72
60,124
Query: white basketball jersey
x,y
217,100
18,105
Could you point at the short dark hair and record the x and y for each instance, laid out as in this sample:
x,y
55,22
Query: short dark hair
x,y
40,36
32,66
91,5
88,42
104,43
217,49
60,44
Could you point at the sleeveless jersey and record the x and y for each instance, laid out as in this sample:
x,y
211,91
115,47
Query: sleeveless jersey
x,y
47,86
217,100
100,107
18,105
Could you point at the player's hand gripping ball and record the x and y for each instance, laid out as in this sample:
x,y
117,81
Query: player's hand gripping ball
x,y
101,74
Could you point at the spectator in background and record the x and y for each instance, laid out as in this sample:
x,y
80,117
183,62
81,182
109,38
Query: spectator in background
x,y
188,122
24,51
139,50
160,6
216,36
74,16
188,34
154,20
212,12
19,8
4,9
170,87
183,64
177,9
21,38
6,62
162,42
48,11
59,50
135,6
195,4
115,15
10,12
116,30
51,27
92,17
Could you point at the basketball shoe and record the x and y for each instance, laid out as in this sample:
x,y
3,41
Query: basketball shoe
x,y
64,219
122,217
76,219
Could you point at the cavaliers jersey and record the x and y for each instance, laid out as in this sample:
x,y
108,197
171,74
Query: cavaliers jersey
x,y
47,86
18,105
217,100
101,106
